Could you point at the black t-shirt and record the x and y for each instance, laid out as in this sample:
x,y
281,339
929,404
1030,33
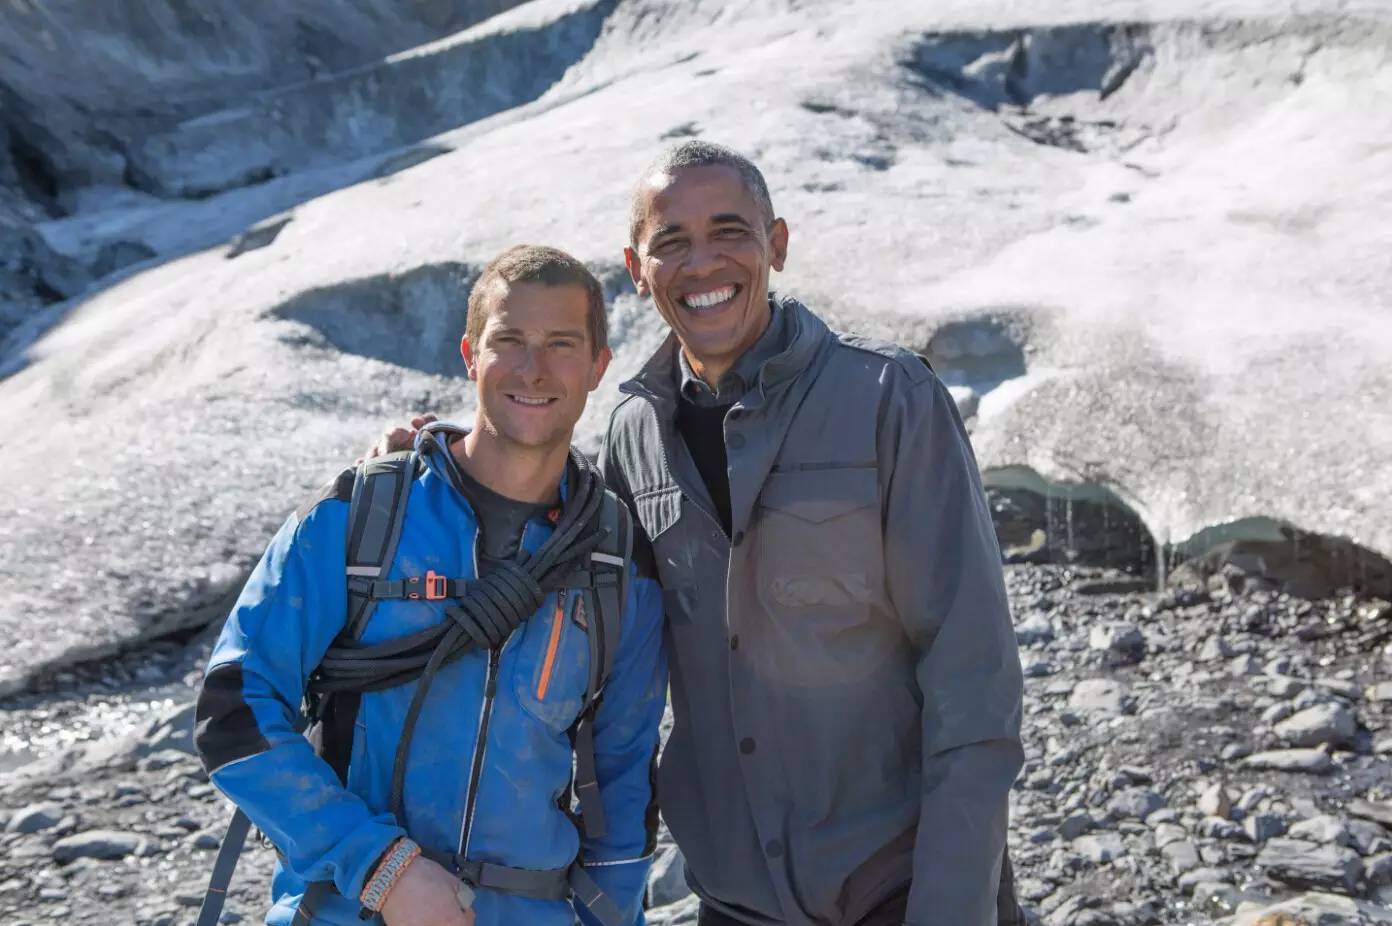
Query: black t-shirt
x,y
703,429
501,519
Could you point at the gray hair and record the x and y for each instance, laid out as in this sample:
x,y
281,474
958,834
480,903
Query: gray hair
x,y
699,154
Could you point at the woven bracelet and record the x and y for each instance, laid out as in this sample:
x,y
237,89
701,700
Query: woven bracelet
x,y
388,872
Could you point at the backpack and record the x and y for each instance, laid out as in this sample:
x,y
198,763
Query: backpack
x,y
380,488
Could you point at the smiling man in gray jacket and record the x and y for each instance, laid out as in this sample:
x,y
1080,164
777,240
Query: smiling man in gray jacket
x,y
844,674
845,682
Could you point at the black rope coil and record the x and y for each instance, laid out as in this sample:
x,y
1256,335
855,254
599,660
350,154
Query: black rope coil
x,y
491,608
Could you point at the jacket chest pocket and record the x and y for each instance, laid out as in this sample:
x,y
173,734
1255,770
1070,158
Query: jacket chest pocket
x,y
819,540
553,664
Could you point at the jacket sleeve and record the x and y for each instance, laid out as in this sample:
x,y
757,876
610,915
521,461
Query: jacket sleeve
x,y
626,743
246,734
943,572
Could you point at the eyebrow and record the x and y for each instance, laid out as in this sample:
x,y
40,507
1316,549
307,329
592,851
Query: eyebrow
x,y
552,333
723,218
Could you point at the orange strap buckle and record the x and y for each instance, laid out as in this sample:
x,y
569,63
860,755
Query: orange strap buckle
x,y
436,586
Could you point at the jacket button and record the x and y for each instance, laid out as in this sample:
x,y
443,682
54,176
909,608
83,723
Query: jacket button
x,y
734,441
734,642
738,538
747,745
774,848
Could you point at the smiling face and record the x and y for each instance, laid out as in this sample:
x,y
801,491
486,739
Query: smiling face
x,y
534,363
703,251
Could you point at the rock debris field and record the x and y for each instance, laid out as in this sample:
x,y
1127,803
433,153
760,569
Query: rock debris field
x,y
1199,755
1144,243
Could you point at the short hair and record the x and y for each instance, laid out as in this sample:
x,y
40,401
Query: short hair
x,y
534,263
699,154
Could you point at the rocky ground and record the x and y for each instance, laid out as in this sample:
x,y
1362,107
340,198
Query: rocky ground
x,y
1193,756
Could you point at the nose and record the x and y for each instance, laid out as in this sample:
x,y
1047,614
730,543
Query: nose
x,y
533,366
704,257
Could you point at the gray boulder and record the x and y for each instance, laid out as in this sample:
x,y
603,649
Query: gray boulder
x,y
98,844
1307,865
1311,761
1314,726
34,818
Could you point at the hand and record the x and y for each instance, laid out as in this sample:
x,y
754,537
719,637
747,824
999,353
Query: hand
x,y
397,438
425,896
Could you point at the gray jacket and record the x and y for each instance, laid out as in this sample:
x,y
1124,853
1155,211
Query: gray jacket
x,y
844,674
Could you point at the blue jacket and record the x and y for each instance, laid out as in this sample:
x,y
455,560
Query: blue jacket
x,y
290,611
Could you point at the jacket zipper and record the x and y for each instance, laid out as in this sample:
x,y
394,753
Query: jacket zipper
x,y
490,688
548,666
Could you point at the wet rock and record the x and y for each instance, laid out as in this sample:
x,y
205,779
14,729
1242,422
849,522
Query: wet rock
x,y
1307,865
35,818
1311,761
98,844
1317,725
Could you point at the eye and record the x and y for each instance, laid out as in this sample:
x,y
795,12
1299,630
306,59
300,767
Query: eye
x,y
668,246
730,233
563,344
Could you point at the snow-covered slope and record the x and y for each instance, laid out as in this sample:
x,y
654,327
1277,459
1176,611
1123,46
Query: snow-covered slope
x,y
1152,239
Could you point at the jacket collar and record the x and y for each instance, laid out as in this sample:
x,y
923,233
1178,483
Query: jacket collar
x,y
660,378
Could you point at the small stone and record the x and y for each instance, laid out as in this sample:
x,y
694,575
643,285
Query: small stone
x,y
1323,829
1214,801
1102,696
1075,825
1342,687
1377,811
1285,687
205,841
1099,848
1310,761
1244,665
1034,629
1122,641
1135,803
1182,856
1306,865
1260,827
1168,833
1323,723
1378,868
1277,712
1192,879
35,818
1381,693
1234,751
1214,649
1219,828
99,844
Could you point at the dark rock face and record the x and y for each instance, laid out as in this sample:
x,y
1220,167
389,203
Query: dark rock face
x,y
1307,865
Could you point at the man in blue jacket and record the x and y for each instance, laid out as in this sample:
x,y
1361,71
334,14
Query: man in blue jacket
x,y
488,763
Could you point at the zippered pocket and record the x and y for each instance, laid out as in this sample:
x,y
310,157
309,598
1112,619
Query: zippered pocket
x,y
552,664
553,647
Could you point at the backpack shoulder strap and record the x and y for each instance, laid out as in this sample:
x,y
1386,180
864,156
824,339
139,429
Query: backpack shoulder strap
x,y
609,571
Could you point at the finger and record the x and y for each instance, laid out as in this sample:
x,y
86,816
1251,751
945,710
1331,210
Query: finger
x,y
423,419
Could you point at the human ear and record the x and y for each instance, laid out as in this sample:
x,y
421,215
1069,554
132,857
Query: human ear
x,y
467,352
601,364
778,244
634,263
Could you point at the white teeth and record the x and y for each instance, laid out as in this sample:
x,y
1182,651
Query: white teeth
x,y
526,400
706,300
